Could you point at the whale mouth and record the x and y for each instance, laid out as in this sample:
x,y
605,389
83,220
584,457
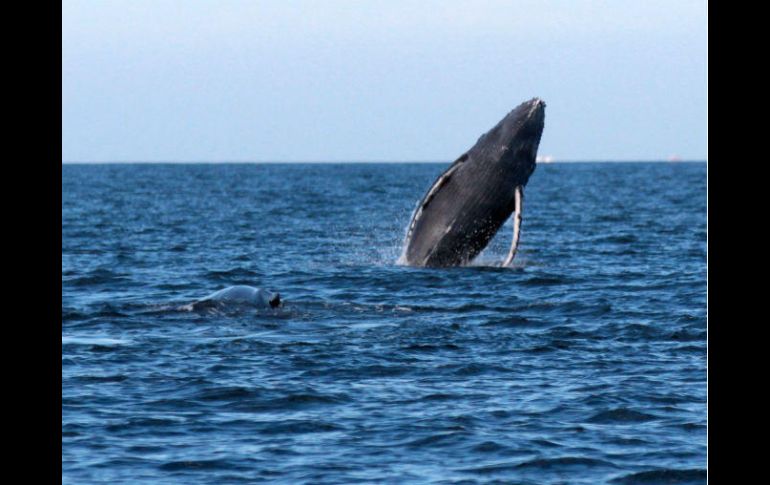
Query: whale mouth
x,y
275,301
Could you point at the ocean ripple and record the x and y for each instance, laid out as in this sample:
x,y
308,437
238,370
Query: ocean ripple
x,y
583,364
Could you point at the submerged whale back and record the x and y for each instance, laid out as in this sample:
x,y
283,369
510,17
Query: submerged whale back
x,y
241,295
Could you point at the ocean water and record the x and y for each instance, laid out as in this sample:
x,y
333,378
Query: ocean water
x,y
585,363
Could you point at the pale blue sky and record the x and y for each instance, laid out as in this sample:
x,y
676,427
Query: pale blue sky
x,y
226,80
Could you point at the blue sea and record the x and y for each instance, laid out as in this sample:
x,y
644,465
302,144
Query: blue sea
x,y
585,363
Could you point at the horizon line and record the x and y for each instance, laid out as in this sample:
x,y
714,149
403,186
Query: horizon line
x,y
319,162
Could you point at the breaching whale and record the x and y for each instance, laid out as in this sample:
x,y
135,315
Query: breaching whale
x,y
239,295
471,200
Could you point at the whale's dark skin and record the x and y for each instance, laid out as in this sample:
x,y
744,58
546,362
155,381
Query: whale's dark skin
x,y
471,200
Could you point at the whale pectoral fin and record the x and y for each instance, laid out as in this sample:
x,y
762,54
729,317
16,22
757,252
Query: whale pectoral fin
x,y
519,197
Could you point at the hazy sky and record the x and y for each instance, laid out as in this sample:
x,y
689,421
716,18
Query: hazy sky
x,y
226,80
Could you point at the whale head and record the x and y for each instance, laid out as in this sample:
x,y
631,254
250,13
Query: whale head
x,y
512,144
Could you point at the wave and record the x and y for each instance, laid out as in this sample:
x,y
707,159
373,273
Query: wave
x,y
666,475
621,416
93,340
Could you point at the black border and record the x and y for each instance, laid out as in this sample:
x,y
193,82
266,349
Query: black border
x,y
53,153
